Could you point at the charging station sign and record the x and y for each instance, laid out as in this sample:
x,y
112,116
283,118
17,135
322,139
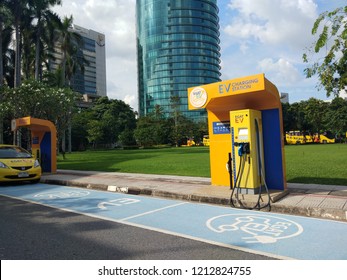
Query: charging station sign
x,y
221,127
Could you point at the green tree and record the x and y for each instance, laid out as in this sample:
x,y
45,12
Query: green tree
x,y
336,116
35,99
115,116
176,113
332,69
314,110
145,132
298,116
126,137
288,118
79,126
95,132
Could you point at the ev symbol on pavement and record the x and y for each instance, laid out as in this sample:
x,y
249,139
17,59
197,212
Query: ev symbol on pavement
x,y
117,202
62,194
253,228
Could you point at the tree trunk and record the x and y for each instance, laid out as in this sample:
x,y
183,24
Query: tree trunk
x,y
17,68
37,53
69,137
1,59
1,84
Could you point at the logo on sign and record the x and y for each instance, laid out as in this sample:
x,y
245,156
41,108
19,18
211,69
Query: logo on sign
x,y
253,228
198,97
239,118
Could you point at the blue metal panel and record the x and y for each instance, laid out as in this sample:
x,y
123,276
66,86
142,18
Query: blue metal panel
x,y
46,157
273,149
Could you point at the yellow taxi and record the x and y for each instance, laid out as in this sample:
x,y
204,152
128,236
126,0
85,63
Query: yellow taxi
x,y
17,164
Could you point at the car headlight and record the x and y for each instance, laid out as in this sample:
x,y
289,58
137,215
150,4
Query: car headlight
x,y
3,165
36,163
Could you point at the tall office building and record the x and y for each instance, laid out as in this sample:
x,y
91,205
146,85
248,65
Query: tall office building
x,y
92,81
177,48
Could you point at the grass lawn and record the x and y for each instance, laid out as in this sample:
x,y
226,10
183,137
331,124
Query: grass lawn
x,y
317,163
185,161
321,164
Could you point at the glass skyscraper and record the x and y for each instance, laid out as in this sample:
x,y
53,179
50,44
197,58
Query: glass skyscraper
x,y
177,48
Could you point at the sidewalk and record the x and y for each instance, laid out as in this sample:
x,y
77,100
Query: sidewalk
x,y
323,201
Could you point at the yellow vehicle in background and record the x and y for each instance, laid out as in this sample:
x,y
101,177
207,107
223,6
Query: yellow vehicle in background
x,y
298,137
190,142
324,138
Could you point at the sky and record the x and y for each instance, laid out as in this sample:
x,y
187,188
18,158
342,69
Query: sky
x,y
257,36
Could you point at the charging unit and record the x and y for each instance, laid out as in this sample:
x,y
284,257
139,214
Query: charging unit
x,y
246,133
247,150
43,141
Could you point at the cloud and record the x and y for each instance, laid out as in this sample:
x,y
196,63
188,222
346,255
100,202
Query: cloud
x,y
272,22
269,36
282,71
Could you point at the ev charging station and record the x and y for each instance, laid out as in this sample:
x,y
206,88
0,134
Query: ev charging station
x,y
245,131
44,139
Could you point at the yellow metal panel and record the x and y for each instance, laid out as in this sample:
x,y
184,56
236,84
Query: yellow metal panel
x,y
219,149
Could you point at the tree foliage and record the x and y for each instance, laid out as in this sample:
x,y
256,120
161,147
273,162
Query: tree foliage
x,y
315,115
36,99
331,28
156,129
107,123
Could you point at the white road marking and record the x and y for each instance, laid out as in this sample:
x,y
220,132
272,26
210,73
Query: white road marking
x,y
152,211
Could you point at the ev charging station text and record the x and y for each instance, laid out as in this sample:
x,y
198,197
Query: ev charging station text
x,y
236,86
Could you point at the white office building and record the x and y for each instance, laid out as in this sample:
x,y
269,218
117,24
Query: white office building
x,y
92,81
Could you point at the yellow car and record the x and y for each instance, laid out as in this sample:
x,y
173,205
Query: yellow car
x,y
17,164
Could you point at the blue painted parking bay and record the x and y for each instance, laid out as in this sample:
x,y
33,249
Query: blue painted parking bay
x,y
276,235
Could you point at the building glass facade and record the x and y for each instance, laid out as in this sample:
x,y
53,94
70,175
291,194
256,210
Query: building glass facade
x,y
177,48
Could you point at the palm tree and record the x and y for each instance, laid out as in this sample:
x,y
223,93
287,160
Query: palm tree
x,y
70,43
17,8
44,16
5,17
27,45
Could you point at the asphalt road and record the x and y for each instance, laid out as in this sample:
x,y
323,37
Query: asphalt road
x,y
32,231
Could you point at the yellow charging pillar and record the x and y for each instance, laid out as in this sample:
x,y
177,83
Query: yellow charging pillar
x,y
247,150
221,99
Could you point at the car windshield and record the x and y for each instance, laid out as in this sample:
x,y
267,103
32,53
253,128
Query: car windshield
x,y
14,152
